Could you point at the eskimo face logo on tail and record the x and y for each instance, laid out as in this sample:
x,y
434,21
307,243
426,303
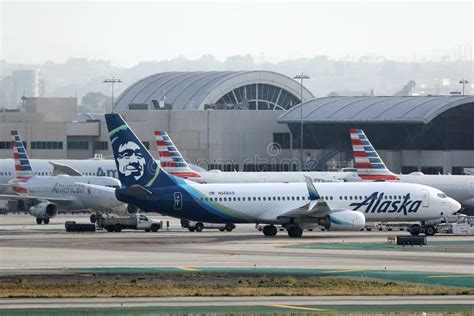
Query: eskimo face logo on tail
x,y
376,203
130,160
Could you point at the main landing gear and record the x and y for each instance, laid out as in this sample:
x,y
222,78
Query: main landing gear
x,y
40,221
294,231
269,230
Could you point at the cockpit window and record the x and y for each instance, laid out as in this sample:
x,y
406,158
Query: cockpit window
x,y
442,195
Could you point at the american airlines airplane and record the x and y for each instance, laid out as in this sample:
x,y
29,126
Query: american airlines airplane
x,y
43,196
174,163
371,167
295,206
43,167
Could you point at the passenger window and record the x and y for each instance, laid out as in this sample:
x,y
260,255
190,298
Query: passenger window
x,y
259,198
297,198
340,197
345,197
264,198
254,198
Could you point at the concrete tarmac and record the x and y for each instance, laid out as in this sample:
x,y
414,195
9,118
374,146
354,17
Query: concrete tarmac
x,y
25,247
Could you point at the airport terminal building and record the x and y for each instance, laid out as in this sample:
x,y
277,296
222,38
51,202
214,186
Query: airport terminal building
x,y
250,121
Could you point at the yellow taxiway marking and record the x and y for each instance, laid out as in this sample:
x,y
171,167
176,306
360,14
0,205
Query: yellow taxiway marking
x,y
187,269
347,270
299,307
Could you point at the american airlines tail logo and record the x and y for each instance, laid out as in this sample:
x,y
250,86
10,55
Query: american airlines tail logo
x,y
377,204
367,161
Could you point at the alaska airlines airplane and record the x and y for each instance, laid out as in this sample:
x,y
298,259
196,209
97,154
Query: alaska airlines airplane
x,y
42,196
174,163
371,167
295,206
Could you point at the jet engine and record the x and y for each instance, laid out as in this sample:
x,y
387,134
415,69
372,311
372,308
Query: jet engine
x,y
44,210
343,220
131,209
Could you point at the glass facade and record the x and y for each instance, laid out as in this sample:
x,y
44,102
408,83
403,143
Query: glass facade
x,y
258,97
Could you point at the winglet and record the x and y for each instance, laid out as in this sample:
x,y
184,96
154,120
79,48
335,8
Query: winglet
x,y
313,193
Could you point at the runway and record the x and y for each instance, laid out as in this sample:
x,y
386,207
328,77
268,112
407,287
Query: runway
x,y
235,301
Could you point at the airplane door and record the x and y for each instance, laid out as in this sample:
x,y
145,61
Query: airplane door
x,y
178,201
472,188
425,198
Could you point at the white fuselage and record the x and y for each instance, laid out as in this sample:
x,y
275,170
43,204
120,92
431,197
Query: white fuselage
x,y
458,187
377,201
274,177
69,192
107,168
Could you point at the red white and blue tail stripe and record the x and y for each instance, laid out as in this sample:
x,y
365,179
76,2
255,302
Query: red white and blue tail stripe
x,y
367,161
171,159
22,164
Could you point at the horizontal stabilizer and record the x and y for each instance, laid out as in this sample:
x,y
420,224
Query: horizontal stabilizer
x,y
137,191
64,169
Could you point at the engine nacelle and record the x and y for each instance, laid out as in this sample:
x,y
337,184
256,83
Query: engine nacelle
x,y
131,209
125,210
44,210
343,220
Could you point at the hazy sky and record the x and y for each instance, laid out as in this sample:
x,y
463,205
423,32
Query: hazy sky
x,y
128,32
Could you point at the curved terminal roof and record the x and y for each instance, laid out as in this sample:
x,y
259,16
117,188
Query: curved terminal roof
x,y
378,109
194,90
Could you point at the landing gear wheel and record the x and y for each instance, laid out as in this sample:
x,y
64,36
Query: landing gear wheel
x,y
117,228
221,229
415,230
147,230
155,227
269,230
46,220
39,221
295,231
93,218
199,227
109,229
191,229
430,230
229,227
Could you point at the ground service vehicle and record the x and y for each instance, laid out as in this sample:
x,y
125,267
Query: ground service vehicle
x,y
136,221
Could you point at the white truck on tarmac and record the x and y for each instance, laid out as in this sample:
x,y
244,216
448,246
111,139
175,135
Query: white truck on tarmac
x,y
135,221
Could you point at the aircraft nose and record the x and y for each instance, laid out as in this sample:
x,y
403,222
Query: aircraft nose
x,y
454,205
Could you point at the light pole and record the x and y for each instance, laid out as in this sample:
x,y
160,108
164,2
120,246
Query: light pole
x,y
301,77
112,82
463,82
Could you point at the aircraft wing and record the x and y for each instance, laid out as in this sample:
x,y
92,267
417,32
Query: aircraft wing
x,y
317,207
9,197
64,169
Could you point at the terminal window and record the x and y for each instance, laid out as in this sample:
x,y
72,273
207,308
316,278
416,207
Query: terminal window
x,y
282,140
101,145
46,145
78,145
